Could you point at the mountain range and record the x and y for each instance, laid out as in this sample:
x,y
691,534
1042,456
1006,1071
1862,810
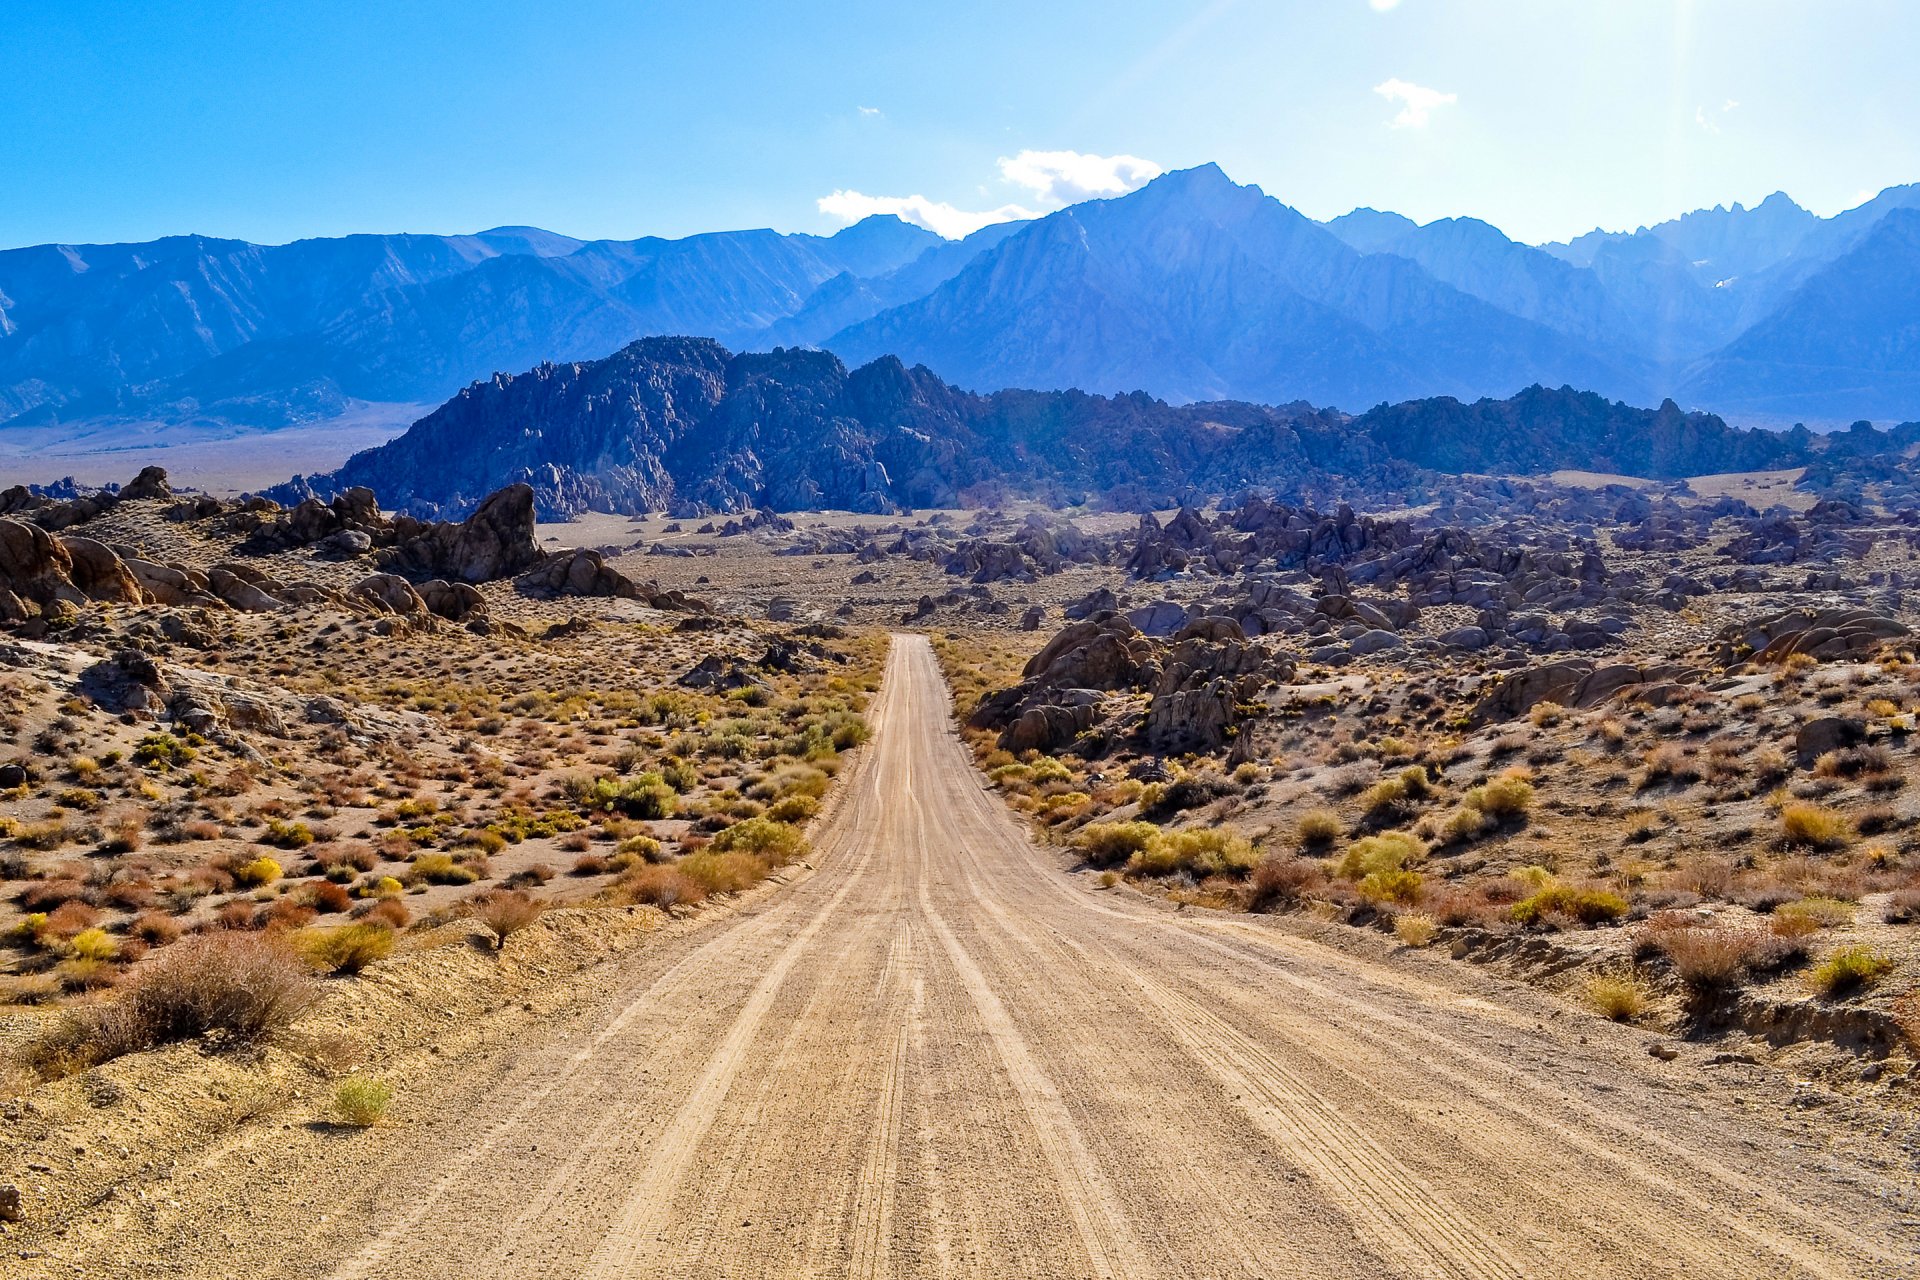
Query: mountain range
x,y
1192,288
684,425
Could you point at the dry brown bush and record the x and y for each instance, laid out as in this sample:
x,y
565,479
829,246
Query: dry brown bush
x,y
245,986
505,912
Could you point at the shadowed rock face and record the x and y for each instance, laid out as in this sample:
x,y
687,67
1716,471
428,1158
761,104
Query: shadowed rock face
x,y
496,541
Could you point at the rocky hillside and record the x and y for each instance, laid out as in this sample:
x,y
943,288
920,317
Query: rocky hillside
x,y
682,425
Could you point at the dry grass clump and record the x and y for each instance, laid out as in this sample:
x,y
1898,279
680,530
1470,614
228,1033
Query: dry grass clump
x,y
1507,796
1813,826
361,1101
348,949
1319,828
242,985
1281,882
1619,996
664,887
1848,969
1414,929
1709,958
1387,851
1810,915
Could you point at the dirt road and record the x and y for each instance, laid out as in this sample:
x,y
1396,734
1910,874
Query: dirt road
x,y
940,1055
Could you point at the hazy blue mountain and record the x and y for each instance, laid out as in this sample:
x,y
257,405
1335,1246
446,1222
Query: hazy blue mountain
x,y
1196,288
188,321
1848,334
1476,258
1192,288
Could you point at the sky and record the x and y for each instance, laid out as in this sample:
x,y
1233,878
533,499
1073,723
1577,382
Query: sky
x,y
133,119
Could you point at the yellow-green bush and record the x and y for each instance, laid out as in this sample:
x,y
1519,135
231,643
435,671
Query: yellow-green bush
x,y
777,842
1588,906
1847,968
1388,851
348,949
1198,852
1506,796
1391,885
1108,844
258,872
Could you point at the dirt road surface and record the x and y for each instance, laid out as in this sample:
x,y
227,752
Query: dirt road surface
x,y
941,1055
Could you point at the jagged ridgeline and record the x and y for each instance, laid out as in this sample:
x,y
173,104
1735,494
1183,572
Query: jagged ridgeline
x,y
683,425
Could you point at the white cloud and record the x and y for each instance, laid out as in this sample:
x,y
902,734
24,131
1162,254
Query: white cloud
x,y
869,111
1055,178
1381,6
936,216
1706,120
1064,177
1417,102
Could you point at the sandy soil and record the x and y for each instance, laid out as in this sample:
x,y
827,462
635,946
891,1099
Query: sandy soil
x,y
944,1054
221,460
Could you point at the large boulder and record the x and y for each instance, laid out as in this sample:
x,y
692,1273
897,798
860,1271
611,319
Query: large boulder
x,y
496,541
389,593
100,573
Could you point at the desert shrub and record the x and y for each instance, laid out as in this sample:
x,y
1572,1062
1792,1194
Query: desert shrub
x,y
361,1101
660,886
1711,959
1587,905
287,835
325,896
440,868
590,864
155,928
643,847
1391,886
1810,915
1198,852
258,872
793,809
245,986
1814,826
505,912
776,842
1848,969
390,912
1319,827
1903,906
1464,823
1108,844
70,918
1414,929
1388,851
1507,796
1280,882
93,944
1618,997
349,948
719,871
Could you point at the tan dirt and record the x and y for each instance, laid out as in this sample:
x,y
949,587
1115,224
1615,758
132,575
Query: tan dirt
x,y
941,1055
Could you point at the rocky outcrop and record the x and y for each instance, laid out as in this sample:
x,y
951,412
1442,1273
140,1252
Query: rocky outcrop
x,y
1825,634
496,541
1578,683
1196,685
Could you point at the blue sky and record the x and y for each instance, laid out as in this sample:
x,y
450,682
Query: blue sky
x,y
271,121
